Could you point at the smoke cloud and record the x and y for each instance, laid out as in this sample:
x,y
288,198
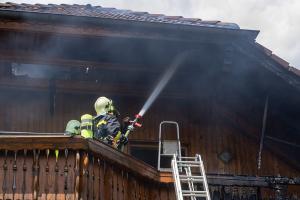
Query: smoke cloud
x,y
277,20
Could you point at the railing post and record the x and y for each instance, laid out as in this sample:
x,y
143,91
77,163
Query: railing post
x,y
77,176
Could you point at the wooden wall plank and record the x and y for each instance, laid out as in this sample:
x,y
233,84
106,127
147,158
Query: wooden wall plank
x,y
207,138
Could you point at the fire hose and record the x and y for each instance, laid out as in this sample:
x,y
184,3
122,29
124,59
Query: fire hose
x,y
121,139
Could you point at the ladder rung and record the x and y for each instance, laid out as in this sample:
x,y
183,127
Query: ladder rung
x,y
194,192
165,169
197,179
186,176
189,158
188,162
187,165
189,192
194,195
192,180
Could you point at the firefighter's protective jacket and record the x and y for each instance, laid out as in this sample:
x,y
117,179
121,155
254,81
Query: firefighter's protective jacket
x,y
106,125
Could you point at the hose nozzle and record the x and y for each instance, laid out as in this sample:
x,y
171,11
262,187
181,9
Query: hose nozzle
x,y
137,116
135,123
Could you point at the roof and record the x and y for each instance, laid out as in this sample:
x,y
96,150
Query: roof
x,y
284,64
113,13
128,15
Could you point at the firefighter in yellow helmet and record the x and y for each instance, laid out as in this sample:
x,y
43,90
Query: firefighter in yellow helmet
x,y
106,124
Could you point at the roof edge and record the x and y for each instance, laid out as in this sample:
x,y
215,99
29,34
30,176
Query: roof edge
x,y
37,16
283,63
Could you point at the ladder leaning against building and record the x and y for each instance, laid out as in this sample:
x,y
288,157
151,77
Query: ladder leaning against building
x,y
188,172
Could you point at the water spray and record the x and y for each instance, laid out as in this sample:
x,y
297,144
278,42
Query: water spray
x,y
157,90
163,82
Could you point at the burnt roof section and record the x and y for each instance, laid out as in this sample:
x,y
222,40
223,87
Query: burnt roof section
x,y
113,13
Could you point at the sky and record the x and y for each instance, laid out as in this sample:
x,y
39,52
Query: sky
x,y
277,20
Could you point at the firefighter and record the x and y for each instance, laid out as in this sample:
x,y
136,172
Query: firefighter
x,y
106,124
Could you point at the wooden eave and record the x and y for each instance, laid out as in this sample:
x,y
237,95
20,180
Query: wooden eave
x,y
251,51
95,26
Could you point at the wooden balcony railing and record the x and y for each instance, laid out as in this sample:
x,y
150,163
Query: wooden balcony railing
x,y
56,167
62,167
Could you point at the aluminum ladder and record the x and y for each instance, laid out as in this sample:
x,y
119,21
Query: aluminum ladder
x,y
190,178
167,148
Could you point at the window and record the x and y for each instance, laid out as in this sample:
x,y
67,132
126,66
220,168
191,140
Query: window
x,y
148,152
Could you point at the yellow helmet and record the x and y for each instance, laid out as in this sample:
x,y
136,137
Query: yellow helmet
x,y
103,105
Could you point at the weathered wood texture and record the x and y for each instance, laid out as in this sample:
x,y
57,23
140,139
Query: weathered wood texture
x,y
218,119
60,167
205,128
85,30
72,171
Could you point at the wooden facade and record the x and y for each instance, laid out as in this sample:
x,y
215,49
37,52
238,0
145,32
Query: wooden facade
x,y
62,167
201,137
218,96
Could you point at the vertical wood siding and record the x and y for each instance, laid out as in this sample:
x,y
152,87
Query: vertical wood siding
x,y
205,128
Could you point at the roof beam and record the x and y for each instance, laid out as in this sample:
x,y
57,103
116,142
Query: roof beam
x,y
84,87
38,58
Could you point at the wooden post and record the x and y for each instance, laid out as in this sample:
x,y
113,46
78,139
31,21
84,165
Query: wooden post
x,y
77,176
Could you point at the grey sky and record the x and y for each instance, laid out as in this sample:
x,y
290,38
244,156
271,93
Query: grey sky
x,y
278,20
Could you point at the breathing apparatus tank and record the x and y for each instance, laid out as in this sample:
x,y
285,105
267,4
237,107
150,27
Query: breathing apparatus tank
x,y
86,126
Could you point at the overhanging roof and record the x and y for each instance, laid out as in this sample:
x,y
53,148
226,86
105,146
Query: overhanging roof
x,y
87,14
112,13
115,16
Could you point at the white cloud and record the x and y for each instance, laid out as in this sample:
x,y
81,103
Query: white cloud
x,y
278,21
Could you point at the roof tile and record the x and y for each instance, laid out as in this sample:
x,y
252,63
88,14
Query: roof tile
x,y
100,12
266,50
295,71
191,19
211,22
139,13
173,17
280,61
155,15
4,5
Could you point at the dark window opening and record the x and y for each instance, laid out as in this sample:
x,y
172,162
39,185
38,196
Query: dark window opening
x,y
148,153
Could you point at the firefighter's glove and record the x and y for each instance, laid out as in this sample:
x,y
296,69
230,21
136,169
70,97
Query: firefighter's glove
x,y
126,121
123,139
109,139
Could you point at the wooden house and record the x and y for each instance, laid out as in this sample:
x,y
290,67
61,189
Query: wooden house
x,y
237,104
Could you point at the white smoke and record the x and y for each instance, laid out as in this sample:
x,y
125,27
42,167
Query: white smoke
x,y
277,20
